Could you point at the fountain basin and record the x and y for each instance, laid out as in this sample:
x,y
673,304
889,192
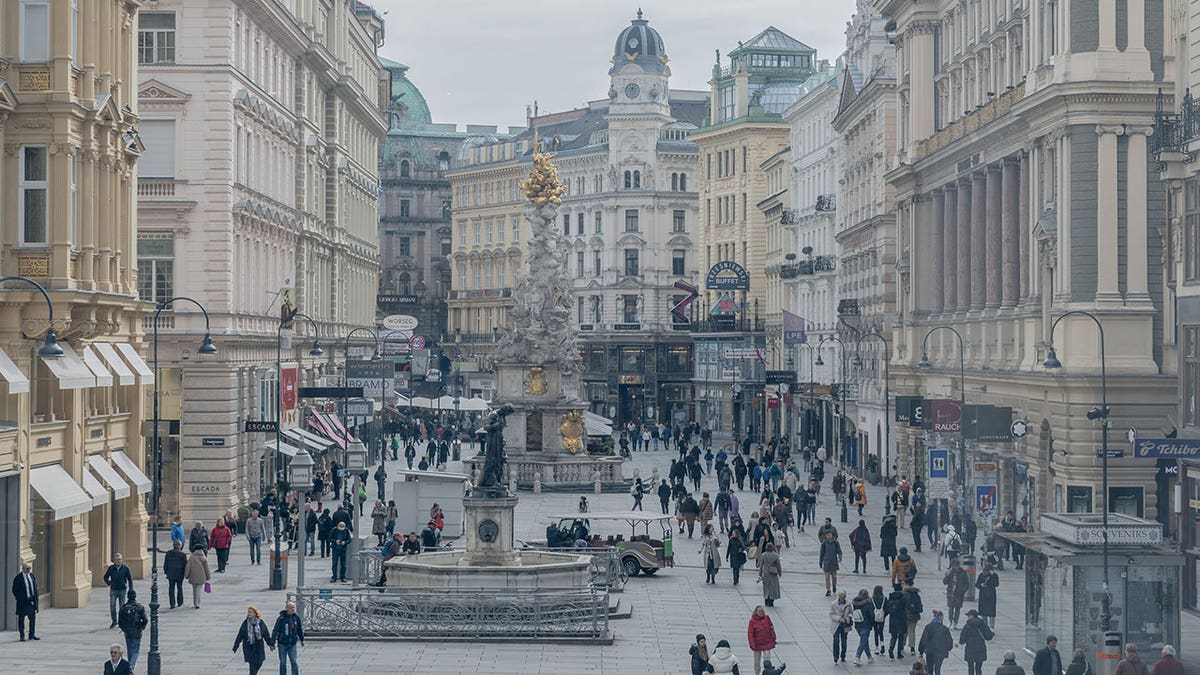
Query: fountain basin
x,y
457,570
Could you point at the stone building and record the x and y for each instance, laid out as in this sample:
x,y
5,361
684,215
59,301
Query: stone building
x,y
263,128
1023,191
72,470
629,217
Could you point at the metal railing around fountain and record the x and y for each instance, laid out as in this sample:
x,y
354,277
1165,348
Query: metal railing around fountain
x,y
401,613
605,568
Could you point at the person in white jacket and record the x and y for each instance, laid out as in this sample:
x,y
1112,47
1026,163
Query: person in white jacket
x,y
723,660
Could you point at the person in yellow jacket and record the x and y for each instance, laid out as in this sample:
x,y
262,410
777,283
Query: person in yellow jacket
x,y
860,496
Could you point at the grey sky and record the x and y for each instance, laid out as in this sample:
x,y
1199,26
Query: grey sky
x,y
483,61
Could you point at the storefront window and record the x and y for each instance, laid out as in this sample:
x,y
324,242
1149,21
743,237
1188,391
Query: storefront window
x,y
41,535
1079,499
633,360
677,359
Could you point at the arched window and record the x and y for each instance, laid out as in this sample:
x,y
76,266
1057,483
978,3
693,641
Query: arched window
x,y
405,284
443,161
637,179
628,180
683,182
674,182
405,171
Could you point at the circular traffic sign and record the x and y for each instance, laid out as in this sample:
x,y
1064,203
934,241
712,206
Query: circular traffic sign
x,y
416,342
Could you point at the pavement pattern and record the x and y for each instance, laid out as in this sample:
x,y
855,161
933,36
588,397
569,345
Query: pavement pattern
x,y
669,609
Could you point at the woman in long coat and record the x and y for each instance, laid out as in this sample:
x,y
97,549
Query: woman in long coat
x,y
987,582
254,637
887,541
379,516
710,553
771,569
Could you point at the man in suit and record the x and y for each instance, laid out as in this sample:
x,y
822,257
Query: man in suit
x,y
116,664
25,590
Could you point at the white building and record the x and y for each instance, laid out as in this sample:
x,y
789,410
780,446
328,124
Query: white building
x,y
262,122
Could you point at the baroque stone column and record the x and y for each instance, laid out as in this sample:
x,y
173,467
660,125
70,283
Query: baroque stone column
x,y
950,247
936,276
1010,244
1137,283
965,193
993,256
1024,228
978,264
1107,290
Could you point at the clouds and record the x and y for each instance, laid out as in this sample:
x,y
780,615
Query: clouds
x,y
483,61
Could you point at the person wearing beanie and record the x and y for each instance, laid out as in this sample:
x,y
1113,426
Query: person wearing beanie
x,y
1048,661
132,621
723,660
254,637
700,656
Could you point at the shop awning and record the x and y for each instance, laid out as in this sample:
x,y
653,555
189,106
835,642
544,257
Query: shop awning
x,y
60,492
70,370
92,486
134,474
335,424
103,377
109,475
135,361
109,354
309,441
284,448
17,382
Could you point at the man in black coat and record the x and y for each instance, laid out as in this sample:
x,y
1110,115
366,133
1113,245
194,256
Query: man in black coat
x,y
25,590
132,621
174,565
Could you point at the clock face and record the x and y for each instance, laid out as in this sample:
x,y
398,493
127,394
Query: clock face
x,y
632,90
488,531
633,43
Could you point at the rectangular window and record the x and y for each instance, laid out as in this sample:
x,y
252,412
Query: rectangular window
x,y
156,262
579,264
566,224
75,32
631,220
487,232
478,231
500,231
678,262
599,226
579,303
35,30
33,194
462,234
478,272
405,246
677,221
1191,374
516,230
74,214
405,208
156,37
501,279
1191,231
629,314
596,264
579,223
631,262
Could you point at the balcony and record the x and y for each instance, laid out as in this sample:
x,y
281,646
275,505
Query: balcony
x,y
1173,132
826,203
848,307
821,263
728,324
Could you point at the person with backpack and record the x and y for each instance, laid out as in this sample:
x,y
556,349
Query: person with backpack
x,y
723,505
864,621
974,637
878,601
132,621
904,567
913,608
637,492
895,609
936,643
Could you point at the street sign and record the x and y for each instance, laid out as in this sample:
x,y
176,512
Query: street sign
x,y
679,310
781,377
1181,448
985,467
375,377
416,342
1112,454
256,426
741,353
400,322
985,497
331,392
358,409
1019,428
939,473
212,442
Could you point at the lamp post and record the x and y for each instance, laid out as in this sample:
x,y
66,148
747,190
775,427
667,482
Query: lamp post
x,y
812,385
857,362
1101,414
153,657
962,405
301,468
841,394
276,582
346,382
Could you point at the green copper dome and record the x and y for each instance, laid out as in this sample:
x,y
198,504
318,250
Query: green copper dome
x,y
406,94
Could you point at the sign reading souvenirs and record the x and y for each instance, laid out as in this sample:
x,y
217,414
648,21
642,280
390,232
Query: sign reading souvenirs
x,y
727,276
1168,447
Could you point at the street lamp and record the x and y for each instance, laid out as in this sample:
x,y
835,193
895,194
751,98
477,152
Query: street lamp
x,y
153,657
1101,414
812,385
924,363
841,391
49,348
857,362
301,468
345,375
276,582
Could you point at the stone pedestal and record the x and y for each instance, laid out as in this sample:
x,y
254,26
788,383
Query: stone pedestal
x,y
488,526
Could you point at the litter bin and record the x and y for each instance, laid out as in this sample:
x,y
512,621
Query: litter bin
x,y
968,563
279,576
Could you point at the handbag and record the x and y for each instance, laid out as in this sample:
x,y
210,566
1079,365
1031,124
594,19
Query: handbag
x,y
208,587
752,553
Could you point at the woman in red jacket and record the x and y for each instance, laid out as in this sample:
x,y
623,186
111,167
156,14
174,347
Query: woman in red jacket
x,y
761,636
221,538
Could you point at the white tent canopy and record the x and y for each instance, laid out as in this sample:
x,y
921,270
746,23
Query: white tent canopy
x,y
445,403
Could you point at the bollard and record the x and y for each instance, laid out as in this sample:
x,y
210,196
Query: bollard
x,y
537,482
598,488
968,563
845,512
1108,654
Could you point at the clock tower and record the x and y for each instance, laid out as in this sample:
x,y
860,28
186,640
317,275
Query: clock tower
x,y
638,106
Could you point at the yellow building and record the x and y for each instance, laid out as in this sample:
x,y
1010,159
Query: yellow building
x,y
71,468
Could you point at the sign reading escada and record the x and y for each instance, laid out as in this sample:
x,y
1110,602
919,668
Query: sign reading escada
x,y
727,275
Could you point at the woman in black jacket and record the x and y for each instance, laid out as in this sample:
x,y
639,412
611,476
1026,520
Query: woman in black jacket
x,y
254,637
699,654
896,610
887,542
735,554
324,526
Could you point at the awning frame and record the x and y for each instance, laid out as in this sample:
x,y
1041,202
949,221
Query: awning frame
x,y
135,361
66,498
103,377
109,476
18,383
69,370
140,480
109,355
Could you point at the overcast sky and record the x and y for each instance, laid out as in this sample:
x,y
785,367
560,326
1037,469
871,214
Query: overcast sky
x,y
483,61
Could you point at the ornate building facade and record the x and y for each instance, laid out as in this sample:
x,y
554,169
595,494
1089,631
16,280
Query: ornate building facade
x,y
263,125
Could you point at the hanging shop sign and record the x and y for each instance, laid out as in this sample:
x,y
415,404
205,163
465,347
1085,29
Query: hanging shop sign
x,y
727,276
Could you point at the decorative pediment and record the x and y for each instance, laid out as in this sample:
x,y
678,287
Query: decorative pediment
x,y
106,109
154,91
631,239
592,285
679,241
629,283
8,100
596,242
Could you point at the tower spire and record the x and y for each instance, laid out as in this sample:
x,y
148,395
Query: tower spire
x,y
639,14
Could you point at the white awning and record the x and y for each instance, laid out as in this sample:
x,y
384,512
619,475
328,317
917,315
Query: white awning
x,y
70,371
17,382
103,377
135,361
310,441
109,475
60,492
109,354
284,448
92,486
134,474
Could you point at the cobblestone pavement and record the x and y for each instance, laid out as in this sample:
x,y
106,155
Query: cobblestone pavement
x,y
668,611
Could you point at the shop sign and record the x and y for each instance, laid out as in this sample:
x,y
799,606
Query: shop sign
x,y
909,410
1195,504
727,275
941,415
1185,448
988,423
984,467
629,379
781,377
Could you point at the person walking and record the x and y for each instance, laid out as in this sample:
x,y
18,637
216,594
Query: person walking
x,y
197,537
340,541
1132,664
710,553
256,531
1080,666
887,542
771,569
913,608
287,633
700,656
1009,666
380,477
132,621
310,526
987,583
974,637
723,660
25,594
956,583
1047,661
637,492
879,616
253,637
860,542
860,496
1168,664
174,566
864,623
896,611
197,574
936,643
116,663
119,580
706,511
904,568
324,529
830,557
723,504
735,554
690,510
221,539
664,496
917,523
760,633
841,620
177,533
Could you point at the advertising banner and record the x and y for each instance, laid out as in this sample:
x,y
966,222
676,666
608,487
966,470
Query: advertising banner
x,y
941,415
289,395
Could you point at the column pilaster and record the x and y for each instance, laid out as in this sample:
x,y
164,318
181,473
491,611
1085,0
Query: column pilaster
x,y
1137,282
993,254
936,258
1107,289
1009,244
963,263
1024,228
977,244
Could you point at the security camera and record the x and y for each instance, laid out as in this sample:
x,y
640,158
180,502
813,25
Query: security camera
x,y
1098,413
